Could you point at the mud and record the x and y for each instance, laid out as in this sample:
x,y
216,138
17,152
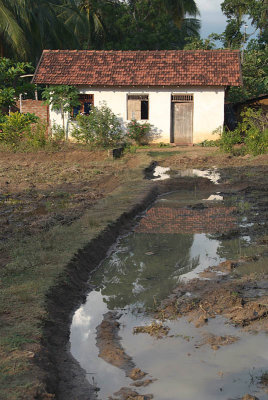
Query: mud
x,y
156,329
129,394
108,343
223,294
63,375
201,300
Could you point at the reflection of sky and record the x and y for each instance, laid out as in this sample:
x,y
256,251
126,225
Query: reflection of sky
x,y
205,250
83,346
212,174
143,267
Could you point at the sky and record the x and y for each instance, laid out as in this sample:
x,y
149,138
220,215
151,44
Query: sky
x,y
212,18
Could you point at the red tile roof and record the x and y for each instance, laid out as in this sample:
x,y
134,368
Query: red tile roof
x,y
139,68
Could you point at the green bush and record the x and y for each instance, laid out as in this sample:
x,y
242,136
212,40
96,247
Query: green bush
x,y
229,138
101,128
139,132
58,134
209,143
36,136
25,132
254,126
251,132
15,127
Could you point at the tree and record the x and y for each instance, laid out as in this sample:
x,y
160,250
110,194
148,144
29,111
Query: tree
x,y
62,98
146,25
254,72
11,34
236,11
196,43
11,83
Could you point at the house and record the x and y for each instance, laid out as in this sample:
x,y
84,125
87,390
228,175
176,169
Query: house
x,y
181,93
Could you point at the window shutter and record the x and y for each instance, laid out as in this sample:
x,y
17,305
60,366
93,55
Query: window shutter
x,y
134,109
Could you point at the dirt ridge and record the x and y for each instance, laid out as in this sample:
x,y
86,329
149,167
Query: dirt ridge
x,y
63,373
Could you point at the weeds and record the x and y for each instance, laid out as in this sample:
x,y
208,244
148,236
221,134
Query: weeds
x,y
251,134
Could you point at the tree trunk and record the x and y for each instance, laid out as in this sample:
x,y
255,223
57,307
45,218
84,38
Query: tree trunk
x,y
63,123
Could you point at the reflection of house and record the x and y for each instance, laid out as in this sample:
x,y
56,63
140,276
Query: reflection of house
x,y
183,220
181,93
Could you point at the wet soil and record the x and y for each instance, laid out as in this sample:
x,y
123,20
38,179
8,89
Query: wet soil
x,y
108,343
242,300
201,300
30,204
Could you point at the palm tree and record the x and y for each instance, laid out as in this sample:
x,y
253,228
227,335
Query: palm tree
x,y
41,25
83,18
179,9
11,34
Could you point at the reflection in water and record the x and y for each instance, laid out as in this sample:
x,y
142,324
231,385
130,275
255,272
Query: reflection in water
x,y
172,241
212,174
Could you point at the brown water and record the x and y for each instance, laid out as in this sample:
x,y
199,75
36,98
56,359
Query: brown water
x,y
174,240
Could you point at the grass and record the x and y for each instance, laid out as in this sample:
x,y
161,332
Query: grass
x,y
162,154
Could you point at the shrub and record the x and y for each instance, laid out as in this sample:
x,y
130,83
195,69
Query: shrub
x,y
229,138
209,143
139,132
36,136
254,126
58,134
25,132
252,132
100,128
15,127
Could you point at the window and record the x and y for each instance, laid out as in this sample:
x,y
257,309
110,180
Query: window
x,y
86,102
137,107
182,98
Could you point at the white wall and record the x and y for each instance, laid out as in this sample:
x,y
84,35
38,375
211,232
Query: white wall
x,y
208,108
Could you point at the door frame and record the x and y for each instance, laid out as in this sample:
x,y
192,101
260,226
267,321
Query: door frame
x,y
180,98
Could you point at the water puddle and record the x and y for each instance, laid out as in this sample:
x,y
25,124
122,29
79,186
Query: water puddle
x,y
160,173
212,174
176,239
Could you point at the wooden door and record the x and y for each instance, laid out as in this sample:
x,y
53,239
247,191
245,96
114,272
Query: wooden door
x,y
182,122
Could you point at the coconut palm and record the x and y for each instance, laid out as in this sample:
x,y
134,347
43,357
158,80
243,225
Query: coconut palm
x,y
12,36
84,19
41,25
179,9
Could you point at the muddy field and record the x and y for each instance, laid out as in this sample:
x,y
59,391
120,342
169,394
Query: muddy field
x,y
43,202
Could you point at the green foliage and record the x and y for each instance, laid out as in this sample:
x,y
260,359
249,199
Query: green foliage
x,y
11,83
29,26
254,72
252,132
58,133
139,132
61,98
36,137
229,138
150,24
235,11
197,43
210,143
25,132
14,127
254,126
101,128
